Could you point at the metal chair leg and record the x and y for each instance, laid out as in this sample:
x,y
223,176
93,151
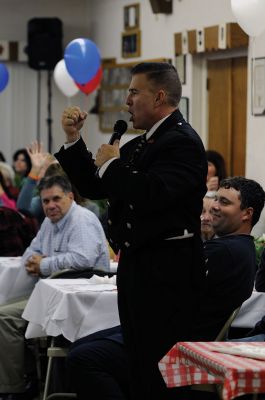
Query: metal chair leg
x,y
48,374
52,352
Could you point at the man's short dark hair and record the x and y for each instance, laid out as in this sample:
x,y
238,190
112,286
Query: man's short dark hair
x,y
251,194
55,180
163,75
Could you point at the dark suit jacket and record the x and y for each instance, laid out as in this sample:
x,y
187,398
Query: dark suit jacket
x,y
158,197
231,267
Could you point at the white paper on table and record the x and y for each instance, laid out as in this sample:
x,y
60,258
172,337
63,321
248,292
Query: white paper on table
x,y
243,350
102,280
95,283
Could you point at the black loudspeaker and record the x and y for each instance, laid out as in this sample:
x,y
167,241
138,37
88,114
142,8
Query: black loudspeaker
x,y
161,6
44,43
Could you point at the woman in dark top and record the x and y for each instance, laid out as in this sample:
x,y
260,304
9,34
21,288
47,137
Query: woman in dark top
x,y
22,166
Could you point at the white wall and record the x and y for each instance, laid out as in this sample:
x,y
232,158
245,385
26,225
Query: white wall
x,y
157,31
18,102
102,21
256,132
158,41
16,13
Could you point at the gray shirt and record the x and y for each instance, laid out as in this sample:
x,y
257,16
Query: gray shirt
x,y
76,241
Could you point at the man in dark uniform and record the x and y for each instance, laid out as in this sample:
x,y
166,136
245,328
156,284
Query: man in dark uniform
x,y
155,185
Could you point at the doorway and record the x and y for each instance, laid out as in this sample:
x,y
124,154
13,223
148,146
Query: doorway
x,y
227,108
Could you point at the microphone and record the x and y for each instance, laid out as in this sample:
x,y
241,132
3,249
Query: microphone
x,y
119,129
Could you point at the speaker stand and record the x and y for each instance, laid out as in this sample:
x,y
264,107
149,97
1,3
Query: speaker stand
x,y
38,106
49,109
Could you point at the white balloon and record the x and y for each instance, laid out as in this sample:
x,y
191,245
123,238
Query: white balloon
x,y
250,15
63,80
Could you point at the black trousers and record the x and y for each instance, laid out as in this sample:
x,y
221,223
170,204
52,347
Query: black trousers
x,y
159,290
97,367
158,294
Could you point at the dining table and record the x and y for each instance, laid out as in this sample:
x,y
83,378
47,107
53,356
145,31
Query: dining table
x,y
235,368
73,308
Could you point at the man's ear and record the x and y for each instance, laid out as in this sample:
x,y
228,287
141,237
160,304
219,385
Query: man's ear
x,y
71,195
160,97
248,214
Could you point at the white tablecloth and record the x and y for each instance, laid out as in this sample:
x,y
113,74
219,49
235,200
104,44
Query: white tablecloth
x,y
15,282
73,308
252,310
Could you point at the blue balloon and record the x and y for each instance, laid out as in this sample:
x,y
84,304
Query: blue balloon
x,y
82,60
4,76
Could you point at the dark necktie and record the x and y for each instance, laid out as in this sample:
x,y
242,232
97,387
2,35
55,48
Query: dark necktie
x,y
139,149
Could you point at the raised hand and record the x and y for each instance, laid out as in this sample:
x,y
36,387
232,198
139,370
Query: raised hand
x,y
38,157
213,183
72,122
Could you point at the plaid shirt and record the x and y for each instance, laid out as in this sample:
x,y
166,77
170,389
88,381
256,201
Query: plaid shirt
x,y
16,232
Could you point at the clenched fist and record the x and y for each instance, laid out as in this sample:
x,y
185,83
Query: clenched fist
x,y
72,122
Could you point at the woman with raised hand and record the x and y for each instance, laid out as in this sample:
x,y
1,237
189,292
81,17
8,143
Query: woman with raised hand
x,y
28,198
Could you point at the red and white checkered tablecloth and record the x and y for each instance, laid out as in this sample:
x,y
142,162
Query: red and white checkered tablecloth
x,y
189,363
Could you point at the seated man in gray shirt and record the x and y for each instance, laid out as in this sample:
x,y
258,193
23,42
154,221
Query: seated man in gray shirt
x,y
70,237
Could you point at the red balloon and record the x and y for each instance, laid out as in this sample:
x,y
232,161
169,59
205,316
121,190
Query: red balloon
x,y
91,85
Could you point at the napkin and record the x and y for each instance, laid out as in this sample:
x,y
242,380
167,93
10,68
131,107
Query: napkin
x,y
244,350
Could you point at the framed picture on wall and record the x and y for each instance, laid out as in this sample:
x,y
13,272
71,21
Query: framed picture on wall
x,y
184,107
258,86
131,44
132,16
180,65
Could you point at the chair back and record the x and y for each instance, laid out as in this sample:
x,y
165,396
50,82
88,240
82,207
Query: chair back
x,y
86,273
223,334
16,232
221,337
